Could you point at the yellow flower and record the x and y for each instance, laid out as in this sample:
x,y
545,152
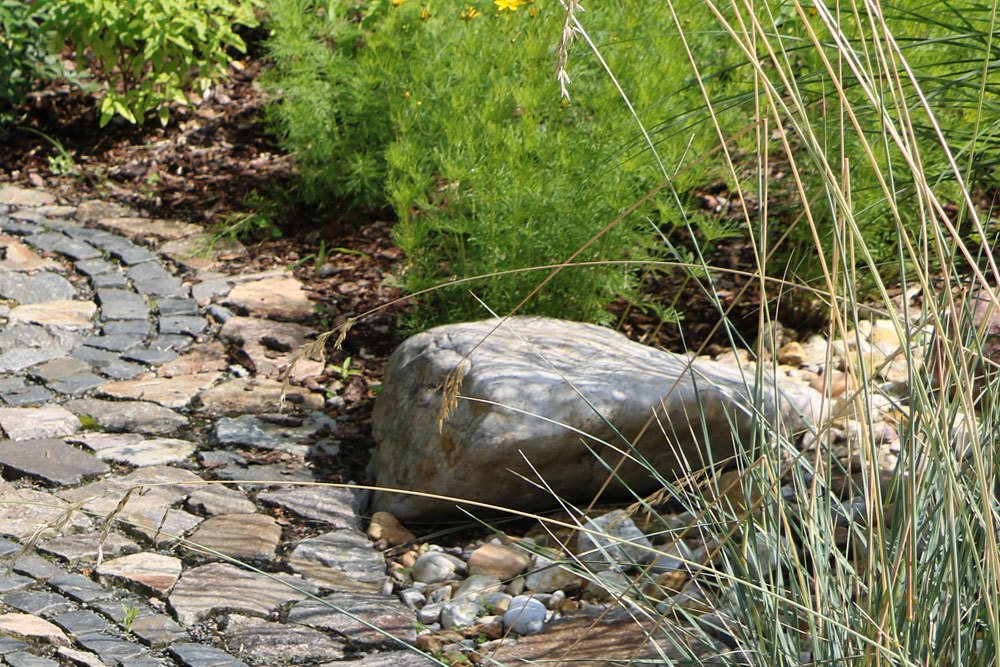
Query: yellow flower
x,y
509,5
471,13
424,13
397,3
533,12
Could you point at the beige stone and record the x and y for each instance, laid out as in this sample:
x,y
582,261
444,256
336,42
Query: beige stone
x,y
201,358
385,526
27,626
220,586
65,314
143,228
150,572
499,561
241,536
272,347
51,421
201,252
792,354
274,298
25,512
173,392
15,256
18,196
242,396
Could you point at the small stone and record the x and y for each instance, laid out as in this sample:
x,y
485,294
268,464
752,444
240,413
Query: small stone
x,y
159,630
129,416
268,643
26,395
613,539
201,358
75,384
459,613
379,613
174,392
18,196
148,572
241,536
94,267
412,598
115,342
43,603
49,460
151,279
57,369
433,567
107,363
78,587
111,649
273,298
184,325
385,526
33,423
81,658
80,622
792,354
199,655
546,576
525,615
137,329
25,659
27,626
478,585
499,561
64,314
205,590
109,281
430,614
15,256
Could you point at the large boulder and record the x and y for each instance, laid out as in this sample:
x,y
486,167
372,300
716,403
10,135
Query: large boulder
x,y
539,398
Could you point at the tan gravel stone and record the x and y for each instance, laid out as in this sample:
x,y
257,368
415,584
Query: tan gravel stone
x,y
18,196
150,572
173,392
385,526
143,228
502,562
274,298
65,314
202,358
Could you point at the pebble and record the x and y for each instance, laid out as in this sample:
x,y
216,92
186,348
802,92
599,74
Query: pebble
x,y
434,567
525,615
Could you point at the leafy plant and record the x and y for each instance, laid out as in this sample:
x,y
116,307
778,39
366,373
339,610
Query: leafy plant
x,y
150,53
26,52
130,613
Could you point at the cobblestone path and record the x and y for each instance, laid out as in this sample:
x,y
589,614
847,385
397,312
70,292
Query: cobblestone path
x,y
118,401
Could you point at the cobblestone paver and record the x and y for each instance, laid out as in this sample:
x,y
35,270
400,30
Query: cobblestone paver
x,y
128,383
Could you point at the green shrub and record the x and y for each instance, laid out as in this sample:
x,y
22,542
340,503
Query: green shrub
x,y
455,120
26,52
151,52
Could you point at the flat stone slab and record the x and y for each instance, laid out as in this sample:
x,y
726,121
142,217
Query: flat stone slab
x,y
64,314
141,452
35,288
32,423
338,507
24,511
201,358
267,643
16,256
218,587
88,546
240,536
27,626
274,298
385,613
49,460
129,416
218,499
18,196
340,560
145,572
137,229
120,304
58,369
242,396
199,655
271,346
173,392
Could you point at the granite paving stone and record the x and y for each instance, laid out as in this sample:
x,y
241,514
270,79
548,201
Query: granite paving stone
x,y
176,342
151,279
65,314
279,298
183,325
74,385
136,229
64,245
115,342
130,416
129,253
18,359
16,256
243,396
36,567
80,658
19,227
175,306
338,507
26,395
199,655
49,460
201,358
78,587
217,499
120,304
24,512
43,603
15,582
11,645
57,369
33,423
174,392
384,613
113,280
25,659
81,622
35,288
145,355
156,451
108,364
94,267
137,328
112,649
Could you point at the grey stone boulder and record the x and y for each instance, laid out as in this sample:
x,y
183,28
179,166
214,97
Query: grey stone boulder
x,y
543,392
